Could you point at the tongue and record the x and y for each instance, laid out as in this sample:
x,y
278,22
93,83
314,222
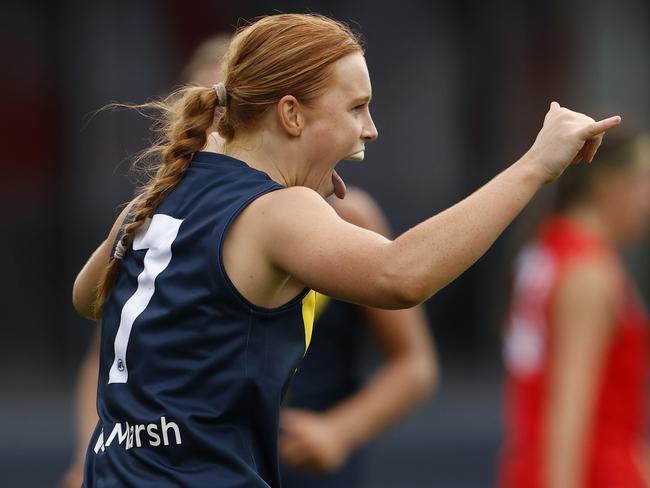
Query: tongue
x,y
339,185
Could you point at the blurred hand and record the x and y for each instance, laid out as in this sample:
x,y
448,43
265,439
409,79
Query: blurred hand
x,y
311,441
74,476
567,137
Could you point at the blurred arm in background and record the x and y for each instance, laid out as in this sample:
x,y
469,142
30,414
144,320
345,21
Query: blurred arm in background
x,y
85,412
583,323
322,441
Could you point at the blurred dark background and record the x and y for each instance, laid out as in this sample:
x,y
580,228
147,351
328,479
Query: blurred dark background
x,y
460,91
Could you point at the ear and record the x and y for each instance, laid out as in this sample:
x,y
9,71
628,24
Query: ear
x,y
290,116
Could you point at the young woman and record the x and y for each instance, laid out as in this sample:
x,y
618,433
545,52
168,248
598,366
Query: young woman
x,y
208,288
329,415
577,341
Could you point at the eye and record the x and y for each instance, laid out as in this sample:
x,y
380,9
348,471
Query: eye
x,y
357,108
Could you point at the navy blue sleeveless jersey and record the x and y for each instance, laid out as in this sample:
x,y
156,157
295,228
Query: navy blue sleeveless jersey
x,y
191,373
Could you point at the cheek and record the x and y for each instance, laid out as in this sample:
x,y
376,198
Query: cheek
x,y
331,135
323,132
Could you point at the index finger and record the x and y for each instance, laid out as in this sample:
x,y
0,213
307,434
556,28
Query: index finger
x,y
601,126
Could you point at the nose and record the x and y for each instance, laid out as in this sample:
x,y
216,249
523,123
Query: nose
x,y
369,133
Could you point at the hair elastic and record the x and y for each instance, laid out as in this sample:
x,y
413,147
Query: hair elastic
x,y
222,95
120,250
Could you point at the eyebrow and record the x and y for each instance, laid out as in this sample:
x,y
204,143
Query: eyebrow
x,y
362,100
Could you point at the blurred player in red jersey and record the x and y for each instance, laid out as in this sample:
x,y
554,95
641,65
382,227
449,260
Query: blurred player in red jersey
x,y
576,347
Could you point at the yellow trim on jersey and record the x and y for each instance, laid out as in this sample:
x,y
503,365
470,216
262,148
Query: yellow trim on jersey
x,y
308,312
321,304
312,306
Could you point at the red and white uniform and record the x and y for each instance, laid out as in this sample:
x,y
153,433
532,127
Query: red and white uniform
x,y
615,443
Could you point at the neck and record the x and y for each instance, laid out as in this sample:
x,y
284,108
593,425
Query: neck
x,y
594,221
261,152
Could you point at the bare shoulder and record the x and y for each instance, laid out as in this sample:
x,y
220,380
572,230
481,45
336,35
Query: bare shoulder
x,y
287,205
280,217
589,291
302,205
276,228
361,209
592,275
583,311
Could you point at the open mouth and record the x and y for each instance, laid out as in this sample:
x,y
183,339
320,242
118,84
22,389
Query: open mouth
x,y
339,185
337,181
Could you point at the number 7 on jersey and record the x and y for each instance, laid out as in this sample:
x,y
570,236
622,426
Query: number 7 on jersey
x,y
157,238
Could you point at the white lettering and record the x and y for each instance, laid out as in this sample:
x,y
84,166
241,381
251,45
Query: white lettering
x,y
129,438
164,426
100,442
151,430
117,430
138,428
132,434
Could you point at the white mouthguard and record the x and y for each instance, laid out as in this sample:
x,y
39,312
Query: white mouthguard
x,y
357,156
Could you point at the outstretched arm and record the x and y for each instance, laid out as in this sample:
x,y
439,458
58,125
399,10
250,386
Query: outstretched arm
x,y
304,237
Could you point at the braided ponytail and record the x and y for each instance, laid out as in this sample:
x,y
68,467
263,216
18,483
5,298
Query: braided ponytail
x,y
188,114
